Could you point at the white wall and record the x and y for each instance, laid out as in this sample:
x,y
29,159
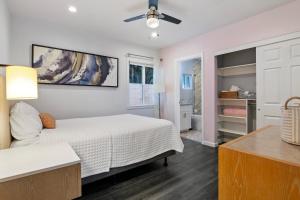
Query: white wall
x,y
276,22
4,33
76,101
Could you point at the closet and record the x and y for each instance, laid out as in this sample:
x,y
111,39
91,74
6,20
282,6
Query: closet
x,y
269,70
236,115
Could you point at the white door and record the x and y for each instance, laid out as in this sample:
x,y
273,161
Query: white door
x,y
278,78
294,67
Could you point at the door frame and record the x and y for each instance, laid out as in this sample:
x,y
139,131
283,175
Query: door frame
x,y
259,43
177,90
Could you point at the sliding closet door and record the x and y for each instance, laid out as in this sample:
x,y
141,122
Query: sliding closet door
x,y
270,83
278,78
294,67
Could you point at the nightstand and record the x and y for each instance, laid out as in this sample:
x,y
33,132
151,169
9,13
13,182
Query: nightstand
x,y
38,172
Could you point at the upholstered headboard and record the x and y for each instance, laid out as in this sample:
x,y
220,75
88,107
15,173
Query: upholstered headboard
x,y
5,136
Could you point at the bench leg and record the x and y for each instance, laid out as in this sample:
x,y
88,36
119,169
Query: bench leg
x,y
166,162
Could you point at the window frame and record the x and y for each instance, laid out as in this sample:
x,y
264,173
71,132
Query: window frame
x,y
184,81
143,63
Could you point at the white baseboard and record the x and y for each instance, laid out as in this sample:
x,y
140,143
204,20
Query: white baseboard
x,y
210,144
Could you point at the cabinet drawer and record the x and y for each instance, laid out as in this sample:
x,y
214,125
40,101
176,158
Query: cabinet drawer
x,y
62,183
185,120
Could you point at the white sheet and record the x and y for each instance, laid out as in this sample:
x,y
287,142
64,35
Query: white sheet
x,y
112,141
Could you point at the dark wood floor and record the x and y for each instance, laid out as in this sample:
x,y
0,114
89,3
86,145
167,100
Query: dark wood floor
x,y
190,175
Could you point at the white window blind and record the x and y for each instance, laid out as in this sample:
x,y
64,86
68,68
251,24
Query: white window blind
x,y
141,80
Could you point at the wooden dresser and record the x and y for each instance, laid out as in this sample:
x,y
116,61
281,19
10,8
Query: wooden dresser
x,y
259,166
40,172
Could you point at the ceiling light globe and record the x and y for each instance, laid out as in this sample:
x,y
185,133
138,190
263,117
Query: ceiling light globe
x,y
154,35
152,22
72,9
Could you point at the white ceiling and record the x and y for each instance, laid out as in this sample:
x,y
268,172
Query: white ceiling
x,y
105,17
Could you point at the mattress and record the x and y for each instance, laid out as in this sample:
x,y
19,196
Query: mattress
x,y
112,141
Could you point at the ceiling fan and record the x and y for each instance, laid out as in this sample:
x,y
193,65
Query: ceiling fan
x,y
153,16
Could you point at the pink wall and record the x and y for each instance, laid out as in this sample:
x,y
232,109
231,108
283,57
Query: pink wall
x,y
276,22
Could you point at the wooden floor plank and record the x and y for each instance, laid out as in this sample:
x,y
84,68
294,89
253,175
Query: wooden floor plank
x,y
190,175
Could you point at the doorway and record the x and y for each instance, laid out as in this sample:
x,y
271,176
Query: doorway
x,y
189,97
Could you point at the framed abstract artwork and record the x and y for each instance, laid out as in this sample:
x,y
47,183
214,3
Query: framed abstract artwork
x,y
66,67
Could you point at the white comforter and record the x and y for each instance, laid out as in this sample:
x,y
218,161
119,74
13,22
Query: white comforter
x,y
112,141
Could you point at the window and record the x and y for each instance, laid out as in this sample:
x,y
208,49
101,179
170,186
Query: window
x,y
141,91
187,81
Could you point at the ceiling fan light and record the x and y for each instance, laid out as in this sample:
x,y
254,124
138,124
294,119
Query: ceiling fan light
x,y
152,22
154,35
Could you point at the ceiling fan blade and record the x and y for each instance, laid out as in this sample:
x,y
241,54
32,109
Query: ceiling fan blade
x,y
153,3
135,18
169,18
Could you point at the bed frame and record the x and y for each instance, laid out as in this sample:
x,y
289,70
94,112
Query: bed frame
x,y
114,171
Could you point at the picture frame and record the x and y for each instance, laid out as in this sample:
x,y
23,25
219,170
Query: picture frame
x,y
57,66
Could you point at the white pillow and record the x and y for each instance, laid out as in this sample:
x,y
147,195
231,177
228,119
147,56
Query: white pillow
x,y
25,121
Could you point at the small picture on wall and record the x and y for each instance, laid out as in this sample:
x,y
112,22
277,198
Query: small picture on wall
x,y
66,67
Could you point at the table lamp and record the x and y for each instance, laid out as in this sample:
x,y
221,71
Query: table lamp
x,y
21,83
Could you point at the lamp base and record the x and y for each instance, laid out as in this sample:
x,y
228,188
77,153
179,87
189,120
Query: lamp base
x,y
5,136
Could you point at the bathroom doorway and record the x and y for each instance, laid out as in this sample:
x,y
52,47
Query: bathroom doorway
x,y
189,98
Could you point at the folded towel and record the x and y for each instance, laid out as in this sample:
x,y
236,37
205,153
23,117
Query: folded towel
x,y
239,112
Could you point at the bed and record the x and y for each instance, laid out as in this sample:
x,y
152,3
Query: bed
x,y
112,144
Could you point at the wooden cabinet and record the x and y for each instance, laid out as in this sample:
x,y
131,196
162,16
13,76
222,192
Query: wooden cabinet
x,y
186,112
40,172
259,166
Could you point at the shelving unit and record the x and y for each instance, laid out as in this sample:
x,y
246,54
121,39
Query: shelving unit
x,y
237,70
234,124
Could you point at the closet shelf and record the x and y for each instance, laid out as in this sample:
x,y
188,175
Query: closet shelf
x,y
233,117
237,70
232,131
222,99
235,102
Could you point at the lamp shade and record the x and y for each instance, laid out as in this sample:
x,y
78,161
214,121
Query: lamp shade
x,y
21,83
